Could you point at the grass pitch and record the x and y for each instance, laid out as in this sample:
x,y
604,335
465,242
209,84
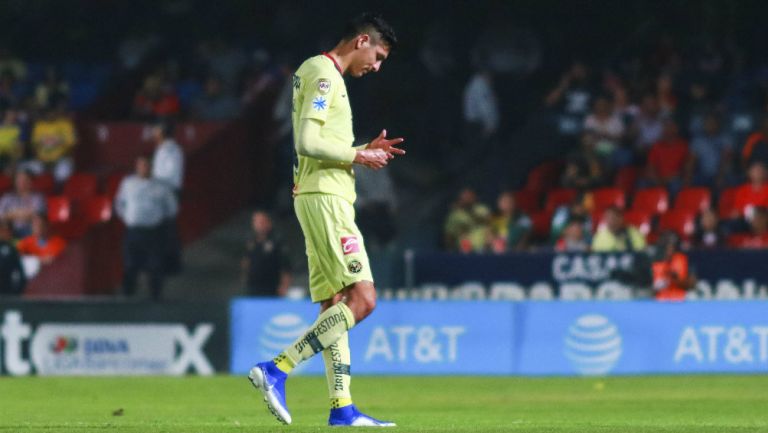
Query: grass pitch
x,y
697,404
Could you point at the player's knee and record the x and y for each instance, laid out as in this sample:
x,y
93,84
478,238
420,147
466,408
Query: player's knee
x,y
362,300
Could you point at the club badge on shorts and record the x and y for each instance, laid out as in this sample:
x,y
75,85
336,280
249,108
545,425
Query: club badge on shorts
x,y
355,266
350,245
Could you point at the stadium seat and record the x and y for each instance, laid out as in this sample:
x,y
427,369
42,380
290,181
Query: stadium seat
x,y
652,200
626,179
80,187
694,199
6,183
44,183
542,224
98,209
59,209
558,197
726,206
542,177
682,222
527,201
112,184
641,219
603,198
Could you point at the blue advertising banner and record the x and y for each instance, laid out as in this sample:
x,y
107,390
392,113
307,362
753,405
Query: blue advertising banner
x,y
721,274
400,338
522,338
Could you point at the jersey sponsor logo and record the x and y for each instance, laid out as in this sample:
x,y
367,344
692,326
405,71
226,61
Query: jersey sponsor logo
x,y
323,86
349,245
355,266
319,103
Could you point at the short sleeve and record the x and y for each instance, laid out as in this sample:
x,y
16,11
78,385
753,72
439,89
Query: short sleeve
x,y
317,93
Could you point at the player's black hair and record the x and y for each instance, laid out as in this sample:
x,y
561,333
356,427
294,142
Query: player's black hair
x,y
167,127
369,23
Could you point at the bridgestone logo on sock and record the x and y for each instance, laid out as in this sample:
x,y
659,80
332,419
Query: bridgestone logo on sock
x,y
312,338
339,368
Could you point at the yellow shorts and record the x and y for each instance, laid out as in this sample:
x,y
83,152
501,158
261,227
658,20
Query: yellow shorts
x,y
335,249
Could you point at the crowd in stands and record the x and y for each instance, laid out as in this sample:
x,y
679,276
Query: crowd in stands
x,y
658,142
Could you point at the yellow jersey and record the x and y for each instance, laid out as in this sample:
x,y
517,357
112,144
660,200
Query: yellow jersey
x,y
319,92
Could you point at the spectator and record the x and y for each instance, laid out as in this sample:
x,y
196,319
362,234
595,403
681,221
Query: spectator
x,y
156,99
53,138
20,206
9,97
758,231
41,243
10,141
481,107
51,90
466,228
144,204
672,277
665,94
12,65
606,125
510,227
12,277
214,104
584,168
573,93
266,269
168,167
753,193
709,233
572,238
648,124
712,153
756,147
669,160
566,213
616,235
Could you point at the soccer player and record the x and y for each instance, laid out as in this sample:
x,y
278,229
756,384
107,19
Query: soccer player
x,y
324,192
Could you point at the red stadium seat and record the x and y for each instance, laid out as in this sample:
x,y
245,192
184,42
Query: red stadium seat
x,y
80,187
694,199
626,179
112,184
603,198
59,209
98,209
542,224
527,201
682,222
558,197
543,177
641,219
652,200
44,183
6,183
726,206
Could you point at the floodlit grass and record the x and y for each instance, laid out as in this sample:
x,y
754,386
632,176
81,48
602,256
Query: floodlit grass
x,y
697,404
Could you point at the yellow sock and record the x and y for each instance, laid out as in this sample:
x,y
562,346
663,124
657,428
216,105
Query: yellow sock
x,y
284,363
340,402
337,359
330,325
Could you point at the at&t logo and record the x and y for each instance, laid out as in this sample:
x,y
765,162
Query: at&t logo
x,y
593,344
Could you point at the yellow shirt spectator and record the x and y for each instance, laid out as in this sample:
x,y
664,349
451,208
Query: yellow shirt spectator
x,y
53,138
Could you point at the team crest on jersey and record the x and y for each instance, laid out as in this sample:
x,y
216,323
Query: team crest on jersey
x,y
350,245
323,86
355,266
319,103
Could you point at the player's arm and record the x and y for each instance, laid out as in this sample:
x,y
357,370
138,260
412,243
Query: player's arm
x,y
313,144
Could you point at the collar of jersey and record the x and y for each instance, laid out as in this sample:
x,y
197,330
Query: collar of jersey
x,y
338,68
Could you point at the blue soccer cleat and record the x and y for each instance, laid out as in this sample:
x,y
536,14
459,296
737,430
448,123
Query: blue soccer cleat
x,y
270,380
349,416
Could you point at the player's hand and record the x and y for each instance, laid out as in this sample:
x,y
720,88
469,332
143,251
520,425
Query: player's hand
x,y
386,144
372,158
